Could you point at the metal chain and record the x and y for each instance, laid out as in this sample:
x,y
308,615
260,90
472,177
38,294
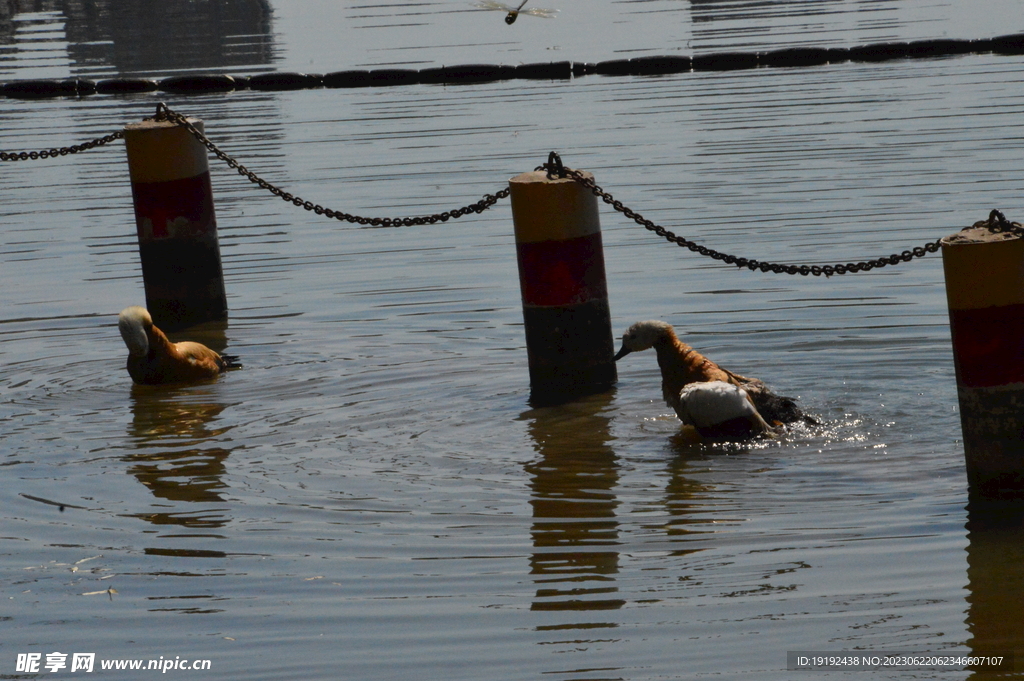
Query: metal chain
x,y
996,222
63,151
164,113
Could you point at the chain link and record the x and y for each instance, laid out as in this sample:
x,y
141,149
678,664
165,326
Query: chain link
x,y
164,113
996,222
63,151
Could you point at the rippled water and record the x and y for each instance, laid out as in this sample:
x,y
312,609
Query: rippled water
x,y
372,495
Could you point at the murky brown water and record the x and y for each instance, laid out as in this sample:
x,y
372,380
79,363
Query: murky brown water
x,y
372,496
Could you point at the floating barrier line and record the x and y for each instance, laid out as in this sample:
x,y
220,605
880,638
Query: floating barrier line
x,y
1007,45
996,221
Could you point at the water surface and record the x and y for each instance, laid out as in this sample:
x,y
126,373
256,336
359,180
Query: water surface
x,y
373,496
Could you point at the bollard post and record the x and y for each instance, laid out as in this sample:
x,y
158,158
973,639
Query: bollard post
x,y
562,281
984,272
174,216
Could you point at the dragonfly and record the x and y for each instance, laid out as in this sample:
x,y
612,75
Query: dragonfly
x,y
514,12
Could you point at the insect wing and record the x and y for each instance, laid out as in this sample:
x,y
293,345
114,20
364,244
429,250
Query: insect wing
x,y
514,11
491,4
537,12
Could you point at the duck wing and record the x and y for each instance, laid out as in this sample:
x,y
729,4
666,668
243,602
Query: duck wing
x,y
720,410
200,357
773,408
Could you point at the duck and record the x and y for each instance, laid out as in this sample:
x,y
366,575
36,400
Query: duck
x,y
153,359
683,367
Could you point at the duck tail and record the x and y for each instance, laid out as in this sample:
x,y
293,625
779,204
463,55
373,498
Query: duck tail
x,y
779,409
230,362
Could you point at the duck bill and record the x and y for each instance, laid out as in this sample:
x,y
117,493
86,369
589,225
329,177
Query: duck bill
x,y
621,353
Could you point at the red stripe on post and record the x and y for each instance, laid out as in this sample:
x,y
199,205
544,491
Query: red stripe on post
x,y
566,272
175,208
988,345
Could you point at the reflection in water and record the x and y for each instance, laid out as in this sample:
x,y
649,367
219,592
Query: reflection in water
x,y
741,25
574,504
995,584
213,334
146,36
201,470
685,498
754,10
169,428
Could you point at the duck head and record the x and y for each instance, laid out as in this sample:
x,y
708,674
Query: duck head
x,y
134,323
643,336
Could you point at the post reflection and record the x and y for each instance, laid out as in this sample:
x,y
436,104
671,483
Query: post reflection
x,y
995,585
575,530
151,36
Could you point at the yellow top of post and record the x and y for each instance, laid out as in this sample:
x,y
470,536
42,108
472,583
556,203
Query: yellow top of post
x,y
983,269
552,209
160,151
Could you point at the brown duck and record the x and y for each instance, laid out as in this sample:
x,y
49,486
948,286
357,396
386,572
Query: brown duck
x,y
153,359
681,366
